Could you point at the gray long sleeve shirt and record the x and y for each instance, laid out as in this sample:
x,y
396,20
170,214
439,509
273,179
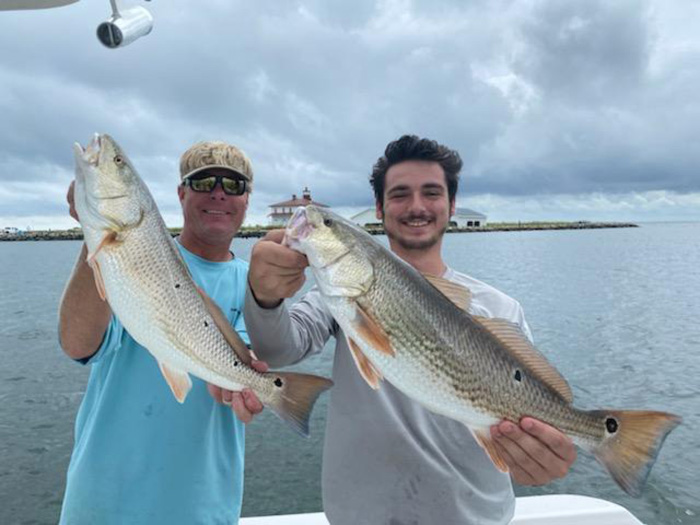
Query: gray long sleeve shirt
x,y
386,459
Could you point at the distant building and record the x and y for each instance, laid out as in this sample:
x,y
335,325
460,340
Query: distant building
x,y
11,230
366,217
281,212
466,218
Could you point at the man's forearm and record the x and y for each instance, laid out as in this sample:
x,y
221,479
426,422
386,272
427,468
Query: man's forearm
x,y
83,315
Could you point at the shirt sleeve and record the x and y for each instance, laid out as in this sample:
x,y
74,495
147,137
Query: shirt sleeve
x,y
282,336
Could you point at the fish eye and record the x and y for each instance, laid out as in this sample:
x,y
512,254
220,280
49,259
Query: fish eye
x,y
118,159
328,222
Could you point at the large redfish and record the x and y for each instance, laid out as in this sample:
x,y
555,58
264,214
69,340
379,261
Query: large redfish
x,y
140,272
401,326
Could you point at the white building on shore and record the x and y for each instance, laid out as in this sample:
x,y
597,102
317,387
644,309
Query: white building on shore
x,y
366,217
281,212
466,218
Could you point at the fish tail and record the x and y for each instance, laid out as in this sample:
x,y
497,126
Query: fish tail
x,y
296,399
632,442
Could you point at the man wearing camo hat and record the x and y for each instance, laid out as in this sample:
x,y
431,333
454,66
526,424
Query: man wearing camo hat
x,y
139,456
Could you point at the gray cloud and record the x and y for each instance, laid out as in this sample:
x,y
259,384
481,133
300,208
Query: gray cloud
x,y
541,98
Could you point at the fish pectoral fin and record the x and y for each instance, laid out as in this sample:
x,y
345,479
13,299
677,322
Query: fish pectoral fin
x,y
483,437
367,370
372,332
232,338
458,294
109,238
516,343
99,281
178,381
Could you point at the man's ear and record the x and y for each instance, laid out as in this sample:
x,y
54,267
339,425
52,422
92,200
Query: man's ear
x,y
181,192
379,213
453,209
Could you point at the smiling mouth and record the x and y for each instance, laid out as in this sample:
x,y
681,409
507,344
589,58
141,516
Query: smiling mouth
x,y
216,212
416,223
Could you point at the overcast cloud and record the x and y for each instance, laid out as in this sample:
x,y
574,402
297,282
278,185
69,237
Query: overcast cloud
x,y
561,110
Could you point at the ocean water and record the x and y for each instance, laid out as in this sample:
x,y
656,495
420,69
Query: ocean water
x,y
616,310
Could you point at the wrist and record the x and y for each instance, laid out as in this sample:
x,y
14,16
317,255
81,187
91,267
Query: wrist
x,y
264,302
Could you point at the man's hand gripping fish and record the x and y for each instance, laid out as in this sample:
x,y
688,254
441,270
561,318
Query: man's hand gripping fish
x,y
140,272
416,332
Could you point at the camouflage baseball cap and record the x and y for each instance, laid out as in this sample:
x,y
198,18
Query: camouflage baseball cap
x,y
216,154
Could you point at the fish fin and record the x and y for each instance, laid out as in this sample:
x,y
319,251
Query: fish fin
x,y
372,332
367,370
299,393
520,347
99,281
178,381
483,437
630,452
109,238
458,294
232,338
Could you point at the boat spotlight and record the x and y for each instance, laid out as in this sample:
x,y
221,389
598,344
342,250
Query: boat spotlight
x,y
124,26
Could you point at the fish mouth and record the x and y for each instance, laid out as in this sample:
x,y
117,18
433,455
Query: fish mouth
x,y
91,153
298,228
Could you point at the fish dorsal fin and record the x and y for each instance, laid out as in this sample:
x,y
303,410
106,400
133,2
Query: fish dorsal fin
x,y
483,437
372,332
179,382
519,346
367,370
458,294
232,338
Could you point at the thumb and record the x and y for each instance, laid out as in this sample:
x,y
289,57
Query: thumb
x,y
274,236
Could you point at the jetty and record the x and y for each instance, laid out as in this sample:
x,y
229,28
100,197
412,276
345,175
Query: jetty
x,y
76,234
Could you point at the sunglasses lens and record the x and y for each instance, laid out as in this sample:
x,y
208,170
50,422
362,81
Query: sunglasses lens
x,y
205,184
233,186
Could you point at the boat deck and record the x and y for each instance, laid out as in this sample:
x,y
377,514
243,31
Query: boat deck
x,y
532,510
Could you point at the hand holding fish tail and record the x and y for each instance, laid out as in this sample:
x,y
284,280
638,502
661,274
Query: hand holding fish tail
x,y
245,404
536,453
278,272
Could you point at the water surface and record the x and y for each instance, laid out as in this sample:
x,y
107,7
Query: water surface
x,y
616,310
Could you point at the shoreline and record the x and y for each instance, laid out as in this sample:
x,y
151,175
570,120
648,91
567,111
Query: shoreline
x,y
76,234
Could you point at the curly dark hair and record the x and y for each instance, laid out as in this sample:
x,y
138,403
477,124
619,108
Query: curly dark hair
x,y
411,147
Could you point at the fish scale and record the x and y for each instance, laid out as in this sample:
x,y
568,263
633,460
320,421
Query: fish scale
x,y
403,328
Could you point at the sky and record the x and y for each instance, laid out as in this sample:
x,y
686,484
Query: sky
x,y
577,110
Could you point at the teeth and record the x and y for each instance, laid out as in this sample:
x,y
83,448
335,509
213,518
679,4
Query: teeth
x,y
215,212
417,223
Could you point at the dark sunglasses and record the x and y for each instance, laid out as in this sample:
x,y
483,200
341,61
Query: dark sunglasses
x,y
208,183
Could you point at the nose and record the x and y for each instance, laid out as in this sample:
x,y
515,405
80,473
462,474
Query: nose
x,y
218,192
416,203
